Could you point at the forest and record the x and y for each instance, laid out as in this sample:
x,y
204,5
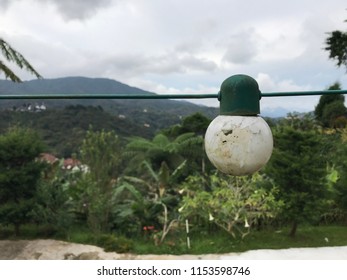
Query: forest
x,y
158,192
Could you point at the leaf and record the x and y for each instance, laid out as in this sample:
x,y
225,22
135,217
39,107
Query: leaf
x,y
164,173
333,176
161,141
130,188
13,56
151,171
179,168
9,73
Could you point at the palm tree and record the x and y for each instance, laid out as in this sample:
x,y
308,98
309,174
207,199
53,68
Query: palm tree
x,y
163,149
11,55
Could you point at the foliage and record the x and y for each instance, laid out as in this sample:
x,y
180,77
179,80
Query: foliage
x,y
53,207
196,123
113,243
340,179
214,242
297,167
152,207
336,45
236,204
101,152
142,193
166,197
219,242
19,174
305,122
132,205
162,149
334,115
12,55
63,130
331,108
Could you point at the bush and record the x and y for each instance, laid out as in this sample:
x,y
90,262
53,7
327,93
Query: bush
x,y
112,243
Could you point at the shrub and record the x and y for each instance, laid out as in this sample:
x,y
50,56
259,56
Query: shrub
x,y
112,243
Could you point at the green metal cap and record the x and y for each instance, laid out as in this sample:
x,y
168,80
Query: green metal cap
x,y
239,96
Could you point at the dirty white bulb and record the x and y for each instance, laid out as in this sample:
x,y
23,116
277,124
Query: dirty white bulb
x,y
238,145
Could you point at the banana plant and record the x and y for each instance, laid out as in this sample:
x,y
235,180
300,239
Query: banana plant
x,y
158,191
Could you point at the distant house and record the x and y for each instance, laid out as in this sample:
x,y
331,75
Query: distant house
x,y
31,108
74,165
40,108
49,158
71,163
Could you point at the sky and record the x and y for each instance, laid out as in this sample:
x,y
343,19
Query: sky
x,y
181,46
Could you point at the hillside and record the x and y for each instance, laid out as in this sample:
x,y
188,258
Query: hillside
x,y
83,85
63,123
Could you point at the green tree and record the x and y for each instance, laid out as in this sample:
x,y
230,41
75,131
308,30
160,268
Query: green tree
x,y
11,55
196,123
336,45
102,153
298,169
162,149
330,108
53,207
334,115
20,172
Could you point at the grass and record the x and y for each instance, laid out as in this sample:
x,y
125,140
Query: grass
x,y
204,241
220,242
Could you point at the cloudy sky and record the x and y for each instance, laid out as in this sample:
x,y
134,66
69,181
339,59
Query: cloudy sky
x,y
181,46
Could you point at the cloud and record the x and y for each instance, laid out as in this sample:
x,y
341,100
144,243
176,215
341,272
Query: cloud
x,y
296,103
4,3
70,9
241,47
268,84
162,64
182,46
160,88
79,9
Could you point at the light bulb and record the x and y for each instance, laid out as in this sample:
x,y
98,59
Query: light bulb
x,y
238,145
238,141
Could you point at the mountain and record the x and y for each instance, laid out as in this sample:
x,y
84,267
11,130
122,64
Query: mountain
x,y
277,112
155,113
68,85
83,85
62,123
